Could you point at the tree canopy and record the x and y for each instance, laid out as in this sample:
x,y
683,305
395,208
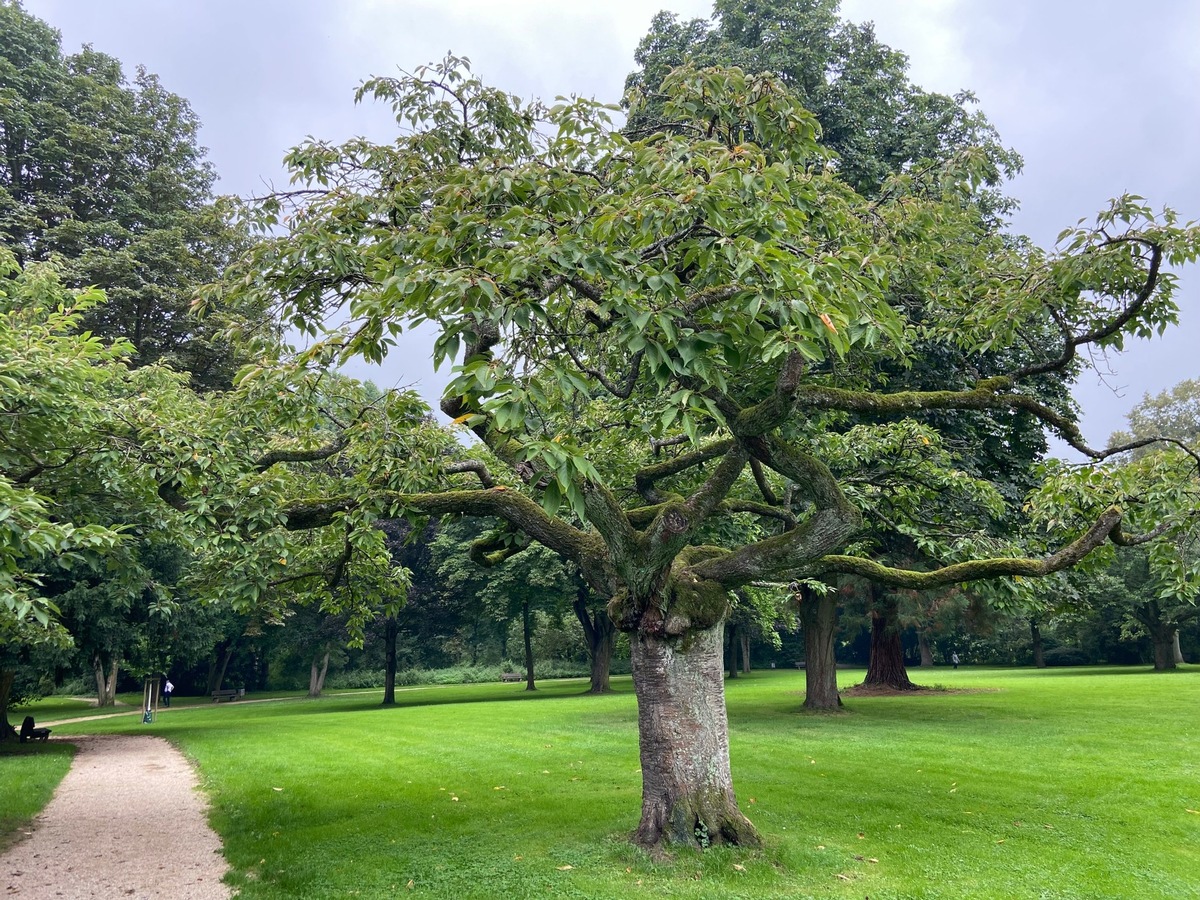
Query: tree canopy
x,y
657,333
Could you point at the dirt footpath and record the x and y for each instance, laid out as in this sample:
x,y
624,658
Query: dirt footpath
x,y
126,822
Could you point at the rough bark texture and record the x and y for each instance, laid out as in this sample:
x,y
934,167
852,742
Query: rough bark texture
x,y
316,675
600,633
886,667
818,615
527,633
1164,647
926,650
1039,651
391,631
687,789
105,673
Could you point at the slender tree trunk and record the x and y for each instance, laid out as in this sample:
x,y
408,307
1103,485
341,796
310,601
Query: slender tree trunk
x,y
527,633
600,633
745,650
926,650
1164,647
216,669
1177,650
818,616
7,677
687,788
731,630
106,679
316,674
886,666
391,631
1039,651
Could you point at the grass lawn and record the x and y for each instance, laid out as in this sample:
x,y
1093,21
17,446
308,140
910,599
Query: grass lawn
x,y
1014,784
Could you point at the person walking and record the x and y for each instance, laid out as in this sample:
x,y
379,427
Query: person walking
x,y
953,659
167,689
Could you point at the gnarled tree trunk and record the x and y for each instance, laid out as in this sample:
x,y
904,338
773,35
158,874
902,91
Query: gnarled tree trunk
x,y
105,672
687,788
316,674
818,616
886,666
1039,652
218,666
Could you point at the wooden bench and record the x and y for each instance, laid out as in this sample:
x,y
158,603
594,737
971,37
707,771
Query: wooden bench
x,y
512,676
218,696
31,733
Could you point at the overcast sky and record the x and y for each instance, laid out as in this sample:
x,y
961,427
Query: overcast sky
x,y
1100,97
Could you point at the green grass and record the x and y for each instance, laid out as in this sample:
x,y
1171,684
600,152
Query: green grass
x,y
29,773
1050,784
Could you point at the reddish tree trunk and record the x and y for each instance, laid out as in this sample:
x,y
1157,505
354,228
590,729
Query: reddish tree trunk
x,y
886,666
818,615
687,788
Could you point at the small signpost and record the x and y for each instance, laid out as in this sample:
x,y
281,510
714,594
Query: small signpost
x,y
150,695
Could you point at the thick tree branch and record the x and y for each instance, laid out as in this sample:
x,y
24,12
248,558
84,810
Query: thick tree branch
x,y
1106,527
647,476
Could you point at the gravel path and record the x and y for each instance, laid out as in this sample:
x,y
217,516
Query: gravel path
x,y
127,822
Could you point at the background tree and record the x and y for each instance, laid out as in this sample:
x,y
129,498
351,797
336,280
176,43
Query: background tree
x,y
695,287
105,176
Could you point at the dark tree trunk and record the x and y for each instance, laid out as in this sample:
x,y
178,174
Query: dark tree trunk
x,y
731,631
926,650
1177,650
687,788
601,634
217,667
391,631
1039,651
105,672
886,666
745,650
527,633
1164,647
7,677
818,616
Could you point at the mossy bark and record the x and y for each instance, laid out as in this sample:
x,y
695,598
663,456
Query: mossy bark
x,y
687,788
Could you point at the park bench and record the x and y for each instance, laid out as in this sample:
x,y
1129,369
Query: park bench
x,y
218,696
512,676
30,733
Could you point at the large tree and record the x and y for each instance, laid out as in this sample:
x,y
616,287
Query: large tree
x,y
105,175
603,295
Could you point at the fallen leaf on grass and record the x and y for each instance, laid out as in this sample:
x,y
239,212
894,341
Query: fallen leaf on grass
x,y
276,789
411,884
1001,841
565,868
862,836
843,877
499,787
739,868
1194,812
872,859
